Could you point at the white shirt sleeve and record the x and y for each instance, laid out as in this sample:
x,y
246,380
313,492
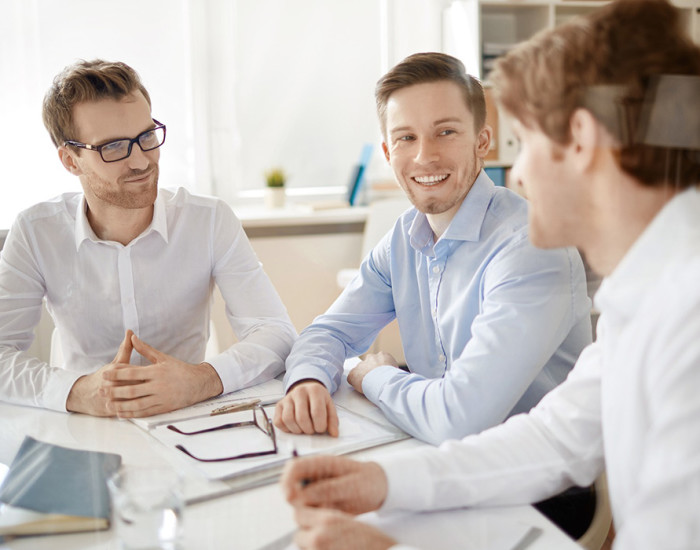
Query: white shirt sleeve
x,y
528,458
253,307
25,379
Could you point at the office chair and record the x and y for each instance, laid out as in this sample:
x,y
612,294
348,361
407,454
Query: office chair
x,y
380,219
597,531
583,513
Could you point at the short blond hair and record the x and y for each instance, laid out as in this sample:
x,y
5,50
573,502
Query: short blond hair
x,y
85,81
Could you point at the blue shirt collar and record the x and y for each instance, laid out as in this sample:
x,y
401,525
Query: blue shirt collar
x,y
467,223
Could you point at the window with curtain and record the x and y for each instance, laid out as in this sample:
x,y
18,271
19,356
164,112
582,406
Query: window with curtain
x,y
290,84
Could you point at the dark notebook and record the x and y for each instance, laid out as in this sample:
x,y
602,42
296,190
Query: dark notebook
x,y
54,489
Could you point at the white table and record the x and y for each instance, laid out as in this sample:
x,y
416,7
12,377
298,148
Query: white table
x,y
248,520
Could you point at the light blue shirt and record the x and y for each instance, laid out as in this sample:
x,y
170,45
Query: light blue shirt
x,y
489,323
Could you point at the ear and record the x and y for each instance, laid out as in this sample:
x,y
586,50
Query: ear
x,y
483,141
585,140
69,159
385,148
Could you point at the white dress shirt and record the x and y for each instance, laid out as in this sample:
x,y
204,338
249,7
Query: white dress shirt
x,y
489,323
159,285
630,405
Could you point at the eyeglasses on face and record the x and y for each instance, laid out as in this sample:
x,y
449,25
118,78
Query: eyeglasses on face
x,y
260,421
119,149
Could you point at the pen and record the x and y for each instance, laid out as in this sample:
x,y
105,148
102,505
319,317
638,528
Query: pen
x,y
235,407
305,481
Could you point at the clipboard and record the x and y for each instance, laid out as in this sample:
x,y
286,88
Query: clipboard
x,y
357,432
365,427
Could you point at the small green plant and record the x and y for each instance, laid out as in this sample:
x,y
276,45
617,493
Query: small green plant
x,y
275,178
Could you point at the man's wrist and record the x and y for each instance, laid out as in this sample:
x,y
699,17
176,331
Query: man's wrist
x,y
212,385
303,381
73,401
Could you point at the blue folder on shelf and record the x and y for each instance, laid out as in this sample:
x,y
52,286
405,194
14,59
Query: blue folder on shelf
x,y
497,175
358,174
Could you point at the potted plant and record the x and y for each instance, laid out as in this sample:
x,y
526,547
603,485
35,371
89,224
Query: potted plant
x,y
274,194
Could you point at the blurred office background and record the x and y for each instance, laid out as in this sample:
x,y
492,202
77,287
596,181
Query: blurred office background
x,y
243,85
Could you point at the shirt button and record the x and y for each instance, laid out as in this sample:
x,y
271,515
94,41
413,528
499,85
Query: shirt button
x,y
436,269
441,358
435,313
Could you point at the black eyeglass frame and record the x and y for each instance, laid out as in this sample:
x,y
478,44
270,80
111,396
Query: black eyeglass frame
x,y
270,432
98,148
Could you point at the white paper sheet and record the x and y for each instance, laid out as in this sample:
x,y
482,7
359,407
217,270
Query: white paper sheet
x,y
356,432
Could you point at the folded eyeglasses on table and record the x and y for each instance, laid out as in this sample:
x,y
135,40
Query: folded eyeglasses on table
x,y
260,420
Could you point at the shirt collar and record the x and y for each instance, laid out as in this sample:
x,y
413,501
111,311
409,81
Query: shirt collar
x,y
467,222
670,237
83,230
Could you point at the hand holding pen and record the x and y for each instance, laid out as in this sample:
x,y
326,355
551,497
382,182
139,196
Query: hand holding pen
x,y
304,481
334,482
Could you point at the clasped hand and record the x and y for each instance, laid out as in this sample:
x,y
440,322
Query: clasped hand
x,y
128,391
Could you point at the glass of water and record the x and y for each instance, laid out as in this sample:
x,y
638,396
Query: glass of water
x,y
147,505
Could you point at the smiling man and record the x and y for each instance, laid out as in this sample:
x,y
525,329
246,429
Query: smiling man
x,y
127,270
489,324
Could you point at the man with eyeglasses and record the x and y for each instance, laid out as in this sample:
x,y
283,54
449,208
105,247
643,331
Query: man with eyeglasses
x,y
127,269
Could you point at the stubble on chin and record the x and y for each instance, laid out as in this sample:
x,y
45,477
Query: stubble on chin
x,y
118,193
133,200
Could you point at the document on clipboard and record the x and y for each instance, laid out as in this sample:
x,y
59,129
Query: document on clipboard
x,y
362,425
206,448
